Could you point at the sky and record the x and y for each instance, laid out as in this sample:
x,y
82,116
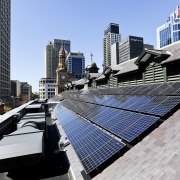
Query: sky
x,y
36,22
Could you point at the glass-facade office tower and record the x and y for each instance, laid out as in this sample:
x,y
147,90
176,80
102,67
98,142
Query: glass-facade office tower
x,y
5,22
169,32
75,63
111,36
52,56
130,48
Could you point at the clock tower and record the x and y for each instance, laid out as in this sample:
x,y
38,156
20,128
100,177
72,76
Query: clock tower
x,y
62,76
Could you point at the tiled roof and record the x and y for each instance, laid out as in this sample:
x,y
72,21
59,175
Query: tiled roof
x,y
127,66
173,50
156,157
94,75
81,81
102,76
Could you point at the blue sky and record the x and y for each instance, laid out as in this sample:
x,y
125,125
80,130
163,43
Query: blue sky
x,y
36,22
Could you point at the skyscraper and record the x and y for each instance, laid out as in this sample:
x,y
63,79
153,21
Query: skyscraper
x,y
169,32
75,63
52,56
111,36
130,48
5,11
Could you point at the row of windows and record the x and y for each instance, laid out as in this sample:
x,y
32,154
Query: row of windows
x,y
47,89
5,84
4,92
49,85
4,77
176,36
176,27
165,37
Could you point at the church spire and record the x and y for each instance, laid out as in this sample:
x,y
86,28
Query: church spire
x,y
62,58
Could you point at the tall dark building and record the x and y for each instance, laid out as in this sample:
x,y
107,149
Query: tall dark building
x,y
130,48
75,63
5,25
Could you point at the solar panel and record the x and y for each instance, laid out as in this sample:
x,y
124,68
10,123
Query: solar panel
x,y
119,122
126,90
88,141
139,89
111,100
165,106
89,108
114,119
105,112
67,118
125,112
101,155
150,104
176,87
127,101
125,123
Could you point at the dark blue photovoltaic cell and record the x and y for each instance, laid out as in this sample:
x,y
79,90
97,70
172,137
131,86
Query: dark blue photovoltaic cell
x,y
149,105
87,108
66,118
165,106
114,120
92,145
140,89
81,140
101,99
125,112
121,99
88,141
93,113
128,101
111,122
106,112
125,123
139,102
102,154
105,120
107,99
90,136
133,131
111,100
176,87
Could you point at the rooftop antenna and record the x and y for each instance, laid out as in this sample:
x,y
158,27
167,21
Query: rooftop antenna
x,y
91,57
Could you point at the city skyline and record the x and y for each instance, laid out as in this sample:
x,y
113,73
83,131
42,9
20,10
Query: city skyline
x,y
35,23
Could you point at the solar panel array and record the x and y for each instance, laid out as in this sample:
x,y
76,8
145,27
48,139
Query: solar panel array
x,y
116,121
125,112
92,145
152,105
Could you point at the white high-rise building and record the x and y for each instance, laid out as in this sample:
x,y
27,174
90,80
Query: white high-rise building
x,y
47,88
169,32
5,25
111,36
